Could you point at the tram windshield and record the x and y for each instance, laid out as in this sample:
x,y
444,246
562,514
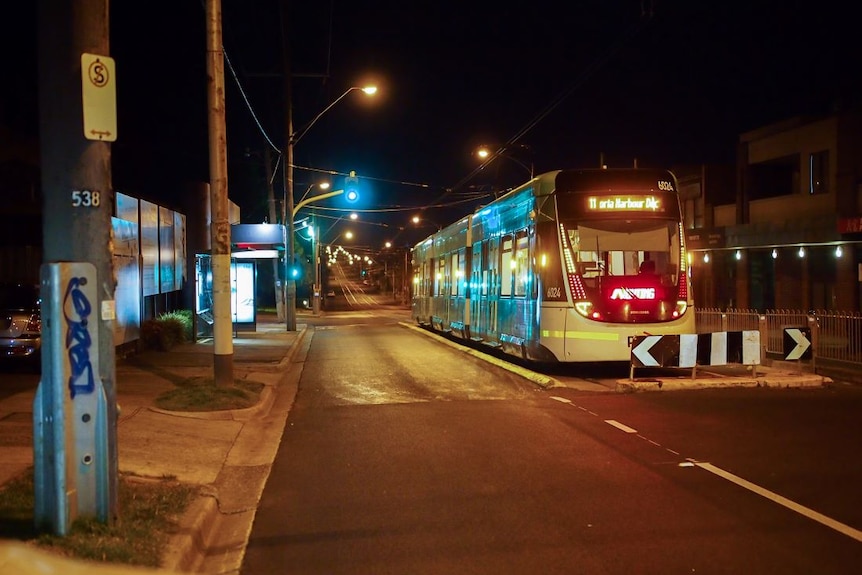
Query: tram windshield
x,y
626,248
626,270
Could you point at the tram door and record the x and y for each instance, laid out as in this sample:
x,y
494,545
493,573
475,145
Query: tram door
x,y
492,284
477,294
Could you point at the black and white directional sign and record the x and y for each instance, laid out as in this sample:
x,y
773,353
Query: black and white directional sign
x,y
797,343
655,350
691,349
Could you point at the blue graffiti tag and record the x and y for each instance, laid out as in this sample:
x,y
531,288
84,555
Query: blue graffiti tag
x,y
78,339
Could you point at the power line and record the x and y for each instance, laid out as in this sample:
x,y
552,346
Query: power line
x,y
560,98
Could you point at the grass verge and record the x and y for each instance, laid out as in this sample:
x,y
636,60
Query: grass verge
x,y
149,511
202,394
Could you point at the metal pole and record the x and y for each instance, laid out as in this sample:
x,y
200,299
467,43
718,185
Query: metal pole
x,y
315,285
290,299
75,407
273,218
220,227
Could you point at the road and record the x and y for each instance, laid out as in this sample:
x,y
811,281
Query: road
x,y
404,455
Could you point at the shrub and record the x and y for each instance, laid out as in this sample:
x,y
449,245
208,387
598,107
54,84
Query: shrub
x,y
167,330
183,319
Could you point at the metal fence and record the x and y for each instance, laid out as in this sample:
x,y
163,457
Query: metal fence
x,y
835,335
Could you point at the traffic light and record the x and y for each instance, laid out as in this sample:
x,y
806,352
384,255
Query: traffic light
x,y
351,188
295,269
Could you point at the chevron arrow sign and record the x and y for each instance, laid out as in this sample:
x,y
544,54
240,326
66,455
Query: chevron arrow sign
x,y
655,351
797,343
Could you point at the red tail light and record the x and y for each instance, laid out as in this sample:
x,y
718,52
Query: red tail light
x,y
682,294
34,324
576,287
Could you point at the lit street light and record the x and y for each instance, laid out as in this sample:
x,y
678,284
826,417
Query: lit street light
x,y
369,91
322,185
315,244
485,154
420,220
292,139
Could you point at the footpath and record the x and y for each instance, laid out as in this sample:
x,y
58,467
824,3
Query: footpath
x,y
230,453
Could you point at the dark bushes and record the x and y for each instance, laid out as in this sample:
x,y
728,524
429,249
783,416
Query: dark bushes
x,y
167,330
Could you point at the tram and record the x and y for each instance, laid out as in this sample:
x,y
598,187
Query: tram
x,y
568,267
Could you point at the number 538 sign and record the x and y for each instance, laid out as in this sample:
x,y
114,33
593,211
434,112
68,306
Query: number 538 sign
x,y
86,199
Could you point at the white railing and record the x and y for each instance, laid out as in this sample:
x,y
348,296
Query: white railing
x,y
835,335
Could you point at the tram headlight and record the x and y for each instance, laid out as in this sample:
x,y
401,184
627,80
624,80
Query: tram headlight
x,y
586,309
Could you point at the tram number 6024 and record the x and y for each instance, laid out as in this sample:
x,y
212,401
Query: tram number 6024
x,y
86,199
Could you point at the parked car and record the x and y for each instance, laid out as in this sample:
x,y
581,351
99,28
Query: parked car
x,y
20,321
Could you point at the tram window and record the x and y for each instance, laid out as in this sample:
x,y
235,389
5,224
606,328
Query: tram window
x,y
429,278
647,267
461,276
457,272
522,264
439,277
507,265
475,269
493,266
482,266
605,250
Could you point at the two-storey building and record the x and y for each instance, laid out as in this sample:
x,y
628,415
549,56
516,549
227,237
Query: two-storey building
x,y
790,235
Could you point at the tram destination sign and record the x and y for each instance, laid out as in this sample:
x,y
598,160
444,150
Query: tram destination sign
x,y
626,203
623,205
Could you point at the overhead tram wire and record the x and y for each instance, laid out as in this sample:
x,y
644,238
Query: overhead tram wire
x,y
646,18
279,152
245,98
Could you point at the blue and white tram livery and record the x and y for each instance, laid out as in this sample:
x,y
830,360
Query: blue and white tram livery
x,y
567,267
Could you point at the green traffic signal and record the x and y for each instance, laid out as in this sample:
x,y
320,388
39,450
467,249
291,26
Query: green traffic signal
x,y
351,188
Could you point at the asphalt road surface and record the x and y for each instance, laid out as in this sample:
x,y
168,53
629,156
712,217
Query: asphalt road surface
x,y
403,455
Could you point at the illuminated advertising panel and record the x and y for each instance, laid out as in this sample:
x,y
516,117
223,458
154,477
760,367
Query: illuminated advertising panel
x,y
242,292
149,248
127,293
127,207
179,250
167,264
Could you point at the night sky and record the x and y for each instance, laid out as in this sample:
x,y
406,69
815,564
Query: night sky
x,y
667,83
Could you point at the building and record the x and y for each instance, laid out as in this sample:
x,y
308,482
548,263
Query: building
x,y
790,237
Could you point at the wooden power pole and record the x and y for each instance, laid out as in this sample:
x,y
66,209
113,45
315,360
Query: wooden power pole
x,y
220,230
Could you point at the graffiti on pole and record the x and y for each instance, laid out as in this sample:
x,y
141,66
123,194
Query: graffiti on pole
x,y
76,311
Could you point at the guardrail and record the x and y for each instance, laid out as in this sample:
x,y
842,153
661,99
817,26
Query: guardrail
x,y
835,335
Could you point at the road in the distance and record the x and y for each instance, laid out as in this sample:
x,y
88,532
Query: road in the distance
x,y
403,455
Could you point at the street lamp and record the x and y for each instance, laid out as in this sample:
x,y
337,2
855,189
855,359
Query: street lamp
x,y
296,136
485,154
417,220
315,246
322,185
293,138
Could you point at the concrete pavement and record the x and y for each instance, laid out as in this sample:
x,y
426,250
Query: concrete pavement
x,y
230,453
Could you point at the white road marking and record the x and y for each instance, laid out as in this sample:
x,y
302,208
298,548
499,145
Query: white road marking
x,y
763,492
793,506
620,426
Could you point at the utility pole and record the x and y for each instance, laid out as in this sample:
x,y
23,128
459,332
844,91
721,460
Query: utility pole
x,y
273,218
75,406
220,226
290,298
